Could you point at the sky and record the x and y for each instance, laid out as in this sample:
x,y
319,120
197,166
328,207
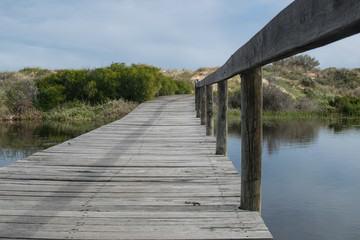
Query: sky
x,y
170,34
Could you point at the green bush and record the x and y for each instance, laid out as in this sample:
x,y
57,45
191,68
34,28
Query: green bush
x,y
347,105
105,85
183,87
309,93
168,87
137,83
51,93
19,97
307,81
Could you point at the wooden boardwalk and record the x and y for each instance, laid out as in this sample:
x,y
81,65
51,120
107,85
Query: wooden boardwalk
x,y
151,175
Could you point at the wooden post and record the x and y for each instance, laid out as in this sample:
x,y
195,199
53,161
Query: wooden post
x,y
221,124
209,111
197,101
251,139
202,105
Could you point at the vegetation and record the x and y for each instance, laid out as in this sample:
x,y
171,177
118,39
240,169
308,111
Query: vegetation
x,y
292,87
302,62
83,94
311,91
136,83
347,105
295,87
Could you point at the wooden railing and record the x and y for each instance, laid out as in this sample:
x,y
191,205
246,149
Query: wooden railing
x,y
303,25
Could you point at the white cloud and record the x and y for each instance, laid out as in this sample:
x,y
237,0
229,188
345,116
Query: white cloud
x,y
164,33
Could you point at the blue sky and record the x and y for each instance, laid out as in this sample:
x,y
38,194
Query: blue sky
x,y
171,34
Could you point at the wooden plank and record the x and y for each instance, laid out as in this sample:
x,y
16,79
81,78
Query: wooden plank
x,y
302,26
150,175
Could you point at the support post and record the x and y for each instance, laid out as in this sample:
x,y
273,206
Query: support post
x,y
221,124
196,107
209,111
251,139
197,101
202,105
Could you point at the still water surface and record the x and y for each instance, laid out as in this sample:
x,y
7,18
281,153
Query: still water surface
x,y
19,140
311,171
310,179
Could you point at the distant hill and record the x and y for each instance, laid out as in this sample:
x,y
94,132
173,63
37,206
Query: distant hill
x,y
292,84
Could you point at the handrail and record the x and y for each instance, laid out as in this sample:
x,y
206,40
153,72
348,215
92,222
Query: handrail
x,y
303,25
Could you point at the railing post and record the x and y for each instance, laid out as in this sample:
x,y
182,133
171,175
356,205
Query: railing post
x,y
197,101
251,139
202,105
209,111
221,124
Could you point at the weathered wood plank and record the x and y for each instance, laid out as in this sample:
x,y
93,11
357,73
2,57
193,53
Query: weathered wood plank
x,y
151,175
302,26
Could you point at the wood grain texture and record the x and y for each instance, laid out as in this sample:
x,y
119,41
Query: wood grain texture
x,y
202,106
197,100
151,175
221,122
251,139
209,111
302,26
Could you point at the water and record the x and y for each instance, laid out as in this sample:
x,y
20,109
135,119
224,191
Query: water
x,y
19,140
311,171
311,177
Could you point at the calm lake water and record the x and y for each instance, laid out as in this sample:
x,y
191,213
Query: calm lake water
x,y
19,140
311,171
310,179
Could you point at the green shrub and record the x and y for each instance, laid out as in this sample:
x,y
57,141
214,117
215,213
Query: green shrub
x,y
168,87
183,87
137,83
19,97
105,84
307,81
51,94
140,83
347,105
309,93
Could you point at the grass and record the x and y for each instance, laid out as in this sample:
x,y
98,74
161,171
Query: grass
x,y
234,114
80,111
